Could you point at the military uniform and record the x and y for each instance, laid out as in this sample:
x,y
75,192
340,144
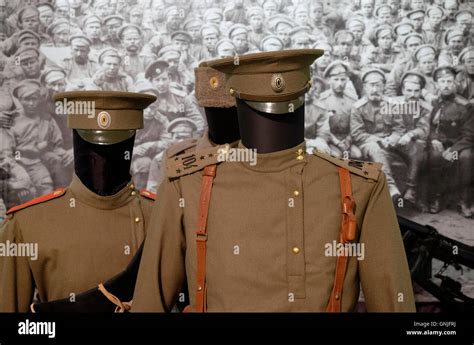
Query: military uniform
x,y
370,124
452,124
269,253
75,250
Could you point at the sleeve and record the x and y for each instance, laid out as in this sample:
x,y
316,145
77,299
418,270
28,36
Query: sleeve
x,y
162,267
16,279
193,113
358,132
384,273
466,138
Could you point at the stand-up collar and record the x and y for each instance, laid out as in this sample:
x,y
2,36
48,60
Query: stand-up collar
x,y
85,195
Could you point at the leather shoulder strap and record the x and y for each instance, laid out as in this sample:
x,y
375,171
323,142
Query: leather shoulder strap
x,y
201,236
347,235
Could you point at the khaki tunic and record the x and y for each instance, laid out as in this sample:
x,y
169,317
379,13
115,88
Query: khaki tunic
x,y
255,222
83,239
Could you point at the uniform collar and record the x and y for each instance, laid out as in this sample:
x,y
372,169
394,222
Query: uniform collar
x,y
85,195
278,161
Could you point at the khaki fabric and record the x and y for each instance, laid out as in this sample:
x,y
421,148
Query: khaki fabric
x,y
270,76
255,222
83,239
210,88
112,110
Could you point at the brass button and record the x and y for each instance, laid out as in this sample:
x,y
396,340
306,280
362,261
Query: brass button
x,y
137,220
300,151
133,193
296,193
199,288
300,158
214,82
132,186
231,91
295,250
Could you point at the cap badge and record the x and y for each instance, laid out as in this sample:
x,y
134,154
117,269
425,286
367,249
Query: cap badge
x,y
278,82
104,120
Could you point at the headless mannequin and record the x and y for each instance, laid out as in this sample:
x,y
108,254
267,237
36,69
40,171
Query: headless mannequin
x,y
270,132
103,169
223,125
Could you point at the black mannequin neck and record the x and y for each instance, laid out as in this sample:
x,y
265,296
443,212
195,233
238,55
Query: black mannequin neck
x,y
103,169
223,125
270,132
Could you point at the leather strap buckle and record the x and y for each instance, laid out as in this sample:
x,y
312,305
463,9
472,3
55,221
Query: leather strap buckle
x,y
201,237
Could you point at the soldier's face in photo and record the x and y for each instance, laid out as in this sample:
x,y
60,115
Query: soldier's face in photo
x,y
161,83
30,66
173,21
302,18
411,91
324,60
385,17
113,27
136,17
269,8
93,31
367,7
283,32
374,90
417,22
181,45
80,53
157,11
395,5
435,18
194,32
61,38
30,23
469,64
417,5
317,13
346,44
110,66
132,42
173,62
412,44
450,9
338,83
101,10
31,102
385,42
446,85
256,23
29,42
241,42
456,44
56,86
62,12
46,17
358,32
210,40
427,64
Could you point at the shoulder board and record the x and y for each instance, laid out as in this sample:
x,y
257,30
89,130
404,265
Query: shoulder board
x,y
325,94
180,147
461,100
190,162
53,195
147,194
369,170
361,102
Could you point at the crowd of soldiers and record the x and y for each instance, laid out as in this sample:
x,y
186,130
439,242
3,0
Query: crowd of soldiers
x,y
395,84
